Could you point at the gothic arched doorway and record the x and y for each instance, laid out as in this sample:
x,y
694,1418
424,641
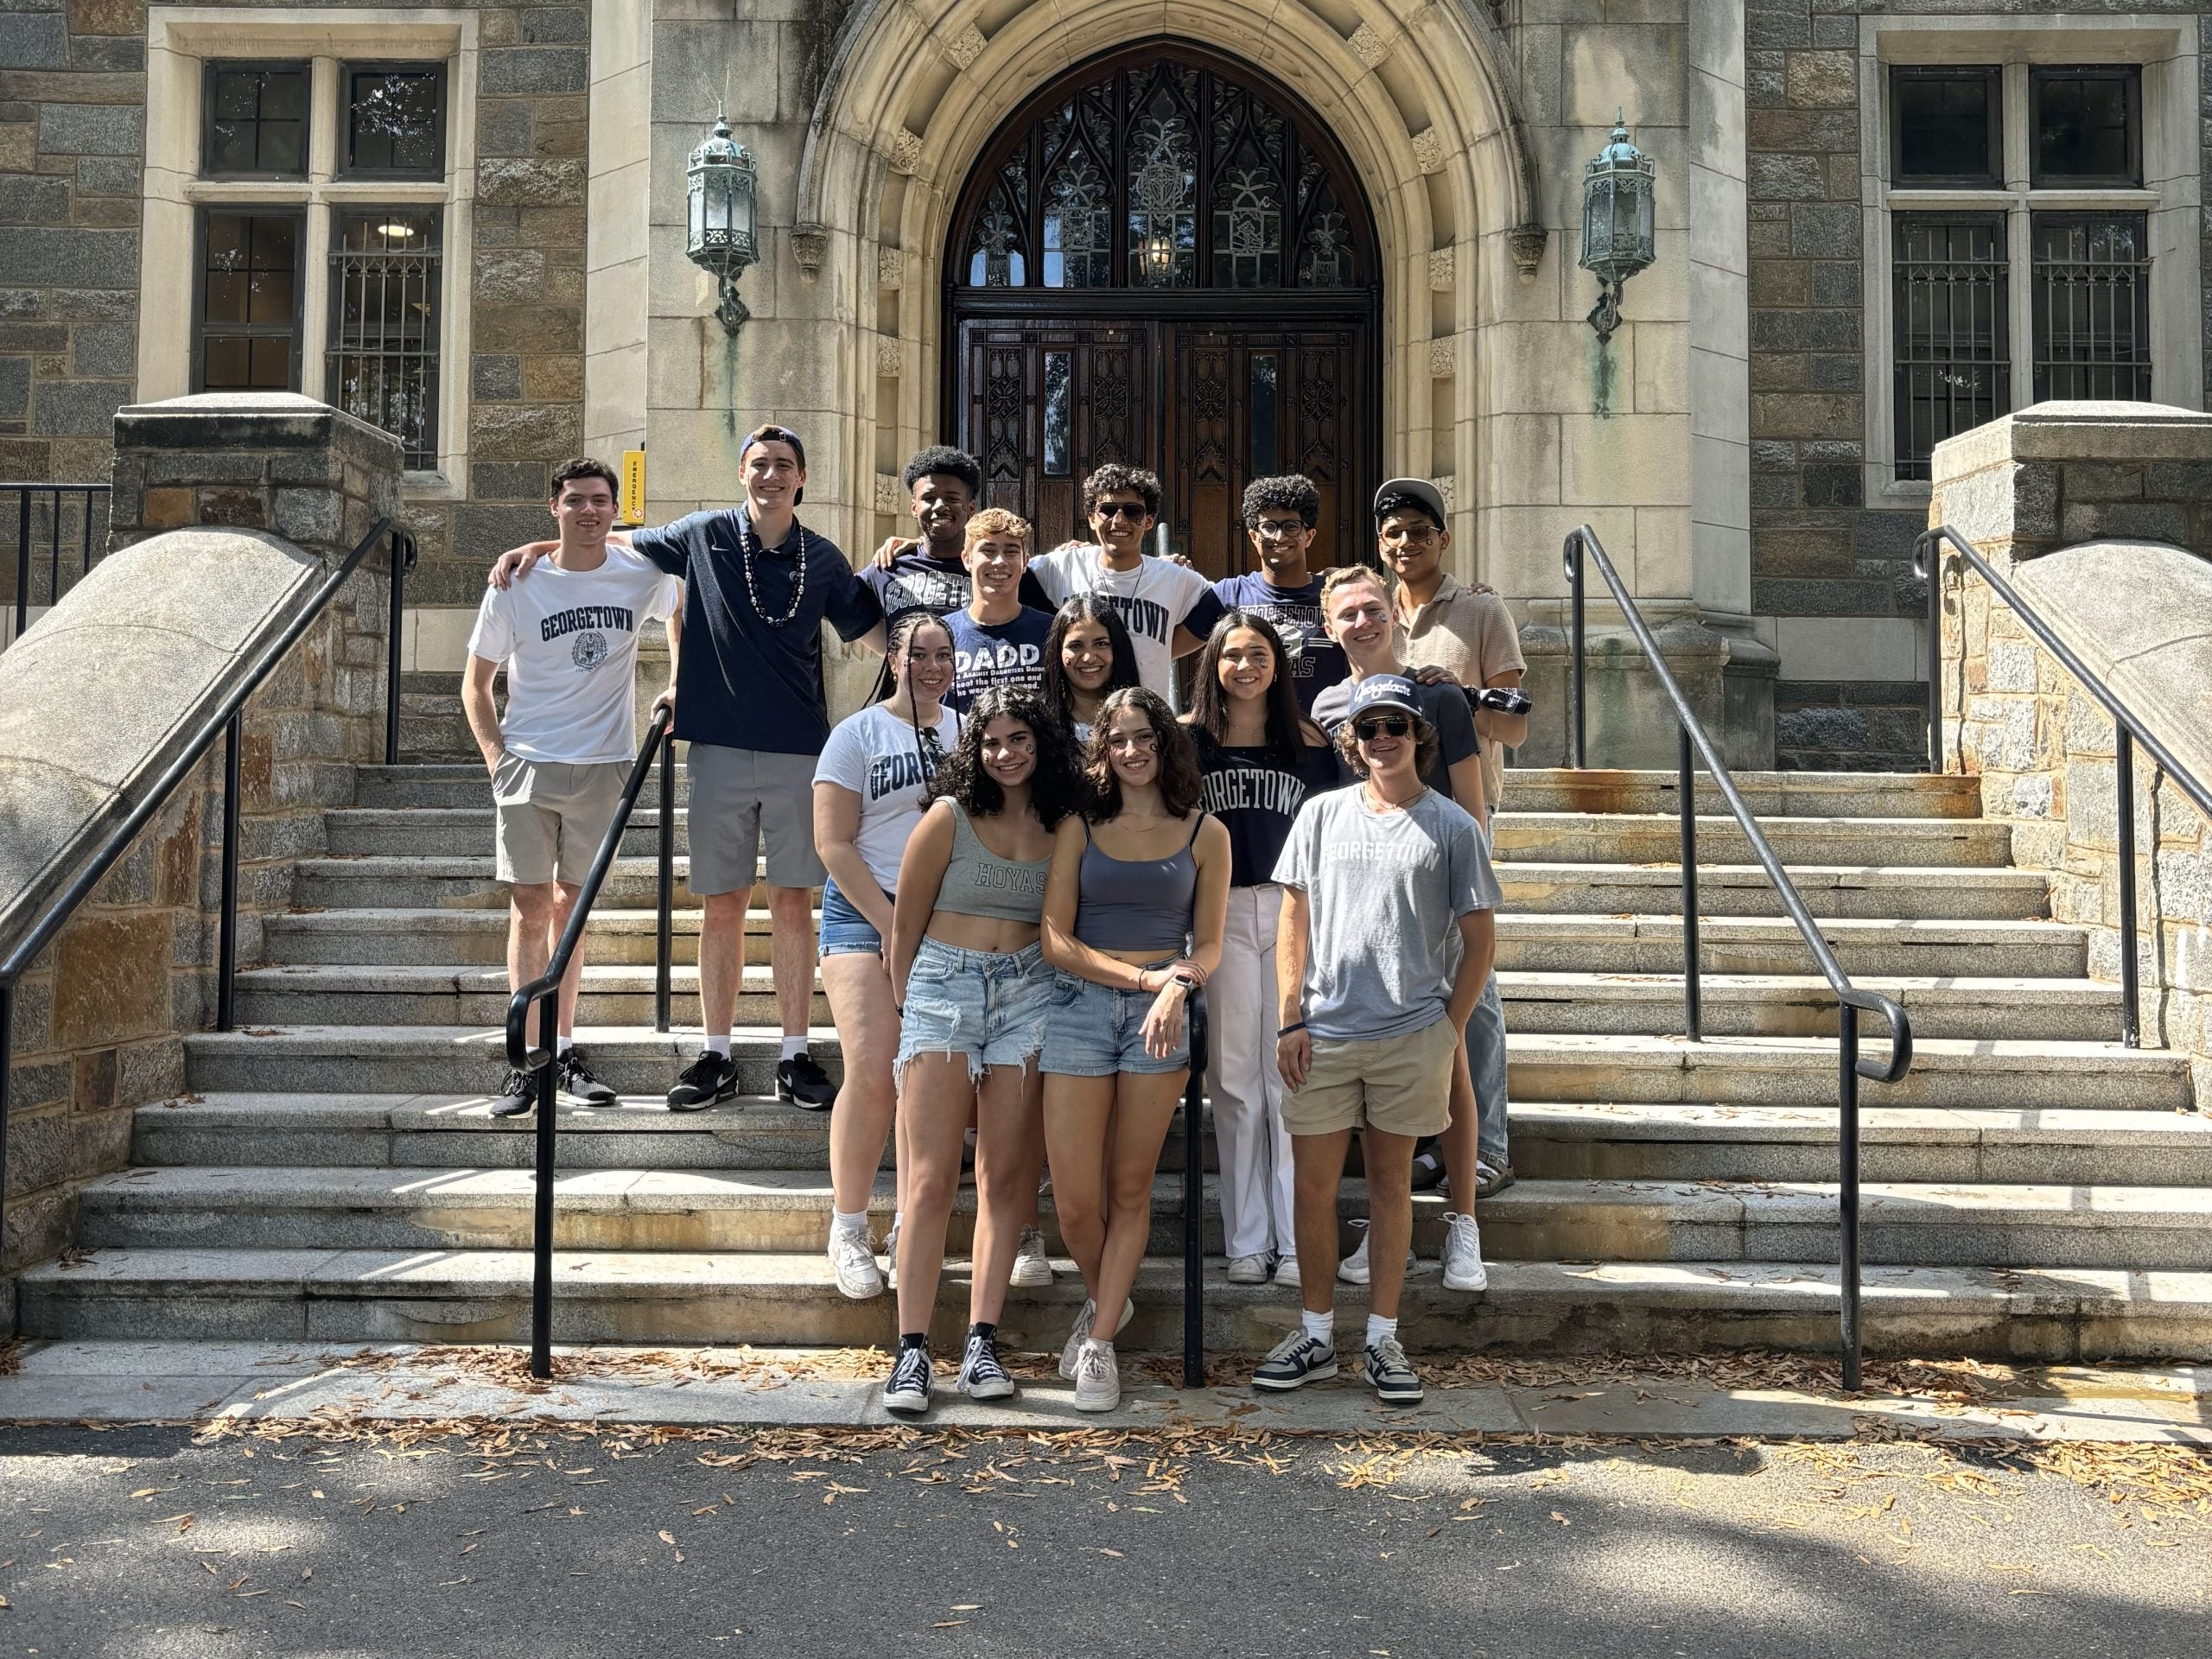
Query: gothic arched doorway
x,y
1163,258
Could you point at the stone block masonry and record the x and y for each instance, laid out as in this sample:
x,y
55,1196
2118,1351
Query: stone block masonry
x,y
228,512
2097,514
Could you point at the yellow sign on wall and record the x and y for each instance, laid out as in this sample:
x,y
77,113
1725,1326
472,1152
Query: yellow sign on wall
x,y
633,487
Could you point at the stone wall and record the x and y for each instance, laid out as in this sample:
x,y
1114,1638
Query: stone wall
x,y
72,102
2091,512
229,513
1817,548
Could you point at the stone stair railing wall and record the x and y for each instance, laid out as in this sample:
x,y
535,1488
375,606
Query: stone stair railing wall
x,y
2101,516
228,513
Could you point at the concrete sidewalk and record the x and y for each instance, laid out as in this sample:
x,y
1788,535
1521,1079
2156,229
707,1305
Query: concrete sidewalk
x,y
117,1381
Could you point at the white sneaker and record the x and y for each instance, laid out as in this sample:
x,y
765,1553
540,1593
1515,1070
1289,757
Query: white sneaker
x,y
853,1255
1353,1268
1033,1268
1462,1254
1097,1378
1249,1269
1286,1273
891,1257
1081,1334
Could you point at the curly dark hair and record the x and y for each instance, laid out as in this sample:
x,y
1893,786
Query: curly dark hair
x,y
1053,790
1116,476
583,467
943,458
1179,782
1059,695
1285,492
1429,748
1209,703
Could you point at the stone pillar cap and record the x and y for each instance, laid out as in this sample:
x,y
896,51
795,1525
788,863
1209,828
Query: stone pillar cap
x,y
278,419
2078,430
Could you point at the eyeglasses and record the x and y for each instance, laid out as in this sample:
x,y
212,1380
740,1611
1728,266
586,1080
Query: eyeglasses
x,y
1130,510
1382,726
1279,530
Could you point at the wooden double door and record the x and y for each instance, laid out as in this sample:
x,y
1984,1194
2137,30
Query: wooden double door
x,y
1209,402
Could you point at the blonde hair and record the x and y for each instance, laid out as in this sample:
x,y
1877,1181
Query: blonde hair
x,y
995,521
1344,575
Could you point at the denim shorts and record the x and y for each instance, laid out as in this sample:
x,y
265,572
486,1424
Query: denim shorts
x,y
844,930
1096,1031
987,1005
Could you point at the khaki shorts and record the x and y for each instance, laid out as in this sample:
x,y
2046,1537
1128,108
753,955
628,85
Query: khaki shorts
x,y
552,816
741,797
1400,1085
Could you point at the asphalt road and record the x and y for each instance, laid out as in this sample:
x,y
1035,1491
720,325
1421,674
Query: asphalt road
x,y
138,1542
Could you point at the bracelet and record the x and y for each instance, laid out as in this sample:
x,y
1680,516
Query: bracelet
x,y
1286,1030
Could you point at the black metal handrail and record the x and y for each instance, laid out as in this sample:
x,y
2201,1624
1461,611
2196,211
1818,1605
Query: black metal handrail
x,y
1851,1001
2128,730
659,746
228,720
27,522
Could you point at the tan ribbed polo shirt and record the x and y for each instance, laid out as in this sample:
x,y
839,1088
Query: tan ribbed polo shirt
x,y
1472,635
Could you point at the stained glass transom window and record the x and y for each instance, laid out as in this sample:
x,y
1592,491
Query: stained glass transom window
x,y
1161,174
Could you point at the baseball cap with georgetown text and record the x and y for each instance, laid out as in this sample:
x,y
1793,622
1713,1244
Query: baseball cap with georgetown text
x,y
1383,691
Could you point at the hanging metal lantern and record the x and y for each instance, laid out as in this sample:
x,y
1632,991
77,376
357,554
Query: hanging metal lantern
x,y
721,217
1617,235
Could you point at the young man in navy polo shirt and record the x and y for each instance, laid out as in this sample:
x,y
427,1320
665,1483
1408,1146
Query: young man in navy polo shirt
x,y
1281,515
758,585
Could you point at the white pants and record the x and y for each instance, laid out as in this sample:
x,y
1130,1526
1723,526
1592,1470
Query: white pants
x,y
1241,1013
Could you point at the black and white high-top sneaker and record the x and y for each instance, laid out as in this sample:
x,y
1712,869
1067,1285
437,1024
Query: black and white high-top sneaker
x,y
981,1376
908,1391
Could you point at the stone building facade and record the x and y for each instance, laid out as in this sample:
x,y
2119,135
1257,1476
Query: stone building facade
x,y
1735,443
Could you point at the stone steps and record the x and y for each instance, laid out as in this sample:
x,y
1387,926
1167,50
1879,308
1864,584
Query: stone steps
x,y
1515,837
1958,1225
1731,1005
1527,789
1882,892
1527,943
1562,1307
1551,1140
2001,1074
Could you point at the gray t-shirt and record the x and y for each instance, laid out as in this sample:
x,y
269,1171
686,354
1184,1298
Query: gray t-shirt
x,y
1385,892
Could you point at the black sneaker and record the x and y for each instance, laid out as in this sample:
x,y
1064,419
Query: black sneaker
x,y
801,1081
908,1391
1429,1165
576,1081
981,1376
711,1078
517,1095
1295,1361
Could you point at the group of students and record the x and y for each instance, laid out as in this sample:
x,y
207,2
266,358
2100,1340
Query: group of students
x,y
1034,873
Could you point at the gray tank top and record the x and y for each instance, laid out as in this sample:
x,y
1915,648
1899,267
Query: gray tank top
x,y
1137,903
978,882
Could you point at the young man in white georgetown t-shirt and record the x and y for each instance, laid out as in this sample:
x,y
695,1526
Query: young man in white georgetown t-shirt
x,y
560,757
1169,608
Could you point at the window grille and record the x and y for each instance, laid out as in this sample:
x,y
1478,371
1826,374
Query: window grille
x,y
2091,309
1953,361
383,358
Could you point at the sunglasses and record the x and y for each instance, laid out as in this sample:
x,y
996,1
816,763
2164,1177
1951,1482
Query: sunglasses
x,y
1130,510
1382,726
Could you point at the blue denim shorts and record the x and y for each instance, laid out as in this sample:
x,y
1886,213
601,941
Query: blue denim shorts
x,y
844,930
987,1005
1096,1031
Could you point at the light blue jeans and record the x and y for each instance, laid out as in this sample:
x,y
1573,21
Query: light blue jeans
x,y
1486,1060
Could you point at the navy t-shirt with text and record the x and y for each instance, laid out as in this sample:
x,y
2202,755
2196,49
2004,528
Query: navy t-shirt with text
x,y
1004,653
916,581
741,682
1318,661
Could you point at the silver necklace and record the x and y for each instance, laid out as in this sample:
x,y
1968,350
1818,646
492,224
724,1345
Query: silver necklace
x,y
746,541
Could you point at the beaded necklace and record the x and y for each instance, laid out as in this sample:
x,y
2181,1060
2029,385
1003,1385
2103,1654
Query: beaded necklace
x,y
746,543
